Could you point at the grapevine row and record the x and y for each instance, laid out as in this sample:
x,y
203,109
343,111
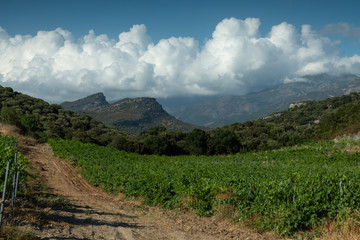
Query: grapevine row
x,y
287,190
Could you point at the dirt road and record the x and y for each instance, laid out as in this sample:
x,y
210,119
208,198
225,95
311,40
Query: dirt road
x,y
89,213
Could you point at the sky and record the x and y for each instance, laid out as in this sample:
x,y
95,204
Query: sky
x,y
65,50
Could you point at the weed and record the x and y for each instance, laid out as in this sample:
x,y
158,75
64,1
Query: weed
x,y
13,233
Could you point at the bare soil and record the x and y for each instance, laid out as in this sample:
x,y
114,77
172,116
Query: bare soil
x,y
83,211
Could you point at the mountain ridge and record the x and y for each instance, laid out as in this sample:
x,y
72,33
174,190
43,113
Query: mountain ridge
x,y
216,111
131,115
231,109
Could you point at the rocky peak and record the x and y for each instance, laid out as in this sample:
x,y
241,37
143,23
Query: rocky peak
x,y
142,106
87,103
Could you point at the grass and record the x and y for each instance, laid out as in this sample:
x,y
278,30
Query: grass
x,y
344,229
60,202
8,231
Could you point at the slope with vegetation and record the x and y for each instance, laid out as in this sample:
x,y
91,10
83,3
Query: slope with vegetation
x,y
42,120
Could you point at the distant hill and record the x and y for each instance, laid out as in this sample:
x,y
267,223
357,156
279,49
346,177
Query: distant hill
x,y
131,115
84,104
231,109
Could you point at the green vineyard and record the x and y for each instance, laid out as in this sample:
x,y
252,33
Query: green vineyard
x,y
7,154
286,190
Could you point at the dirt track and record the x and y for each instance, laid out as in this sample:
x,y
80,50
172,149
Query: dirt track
x,y
93,214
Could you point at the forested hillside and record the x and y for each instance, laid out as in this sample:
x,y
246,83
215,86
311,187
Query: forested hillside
x,y
38,118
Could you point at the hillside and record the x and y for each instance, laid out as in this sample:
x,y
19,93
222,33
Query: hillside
x,y
231,109
131,115
41,120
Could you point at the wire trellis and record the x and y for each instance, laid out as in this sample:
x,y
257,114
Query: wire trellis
x,y
14,187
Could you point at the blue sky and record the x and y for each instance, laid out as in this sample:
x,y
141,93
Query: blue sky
x,y
337,21
167,18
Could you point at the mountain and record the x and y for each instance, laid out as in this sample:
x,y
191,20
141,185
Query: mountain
x,y
172,105
131,115
84,104
231,109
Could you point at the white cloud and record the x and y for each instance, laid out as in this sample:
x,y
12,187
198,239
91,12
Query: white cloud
x,y
56,67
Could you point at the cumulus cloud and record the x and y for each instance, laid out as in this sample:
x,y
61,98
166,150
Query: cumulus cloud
x,y
55,66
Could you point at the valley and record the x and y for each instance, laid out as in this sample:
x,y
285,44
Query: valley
x,y
185,120
281,176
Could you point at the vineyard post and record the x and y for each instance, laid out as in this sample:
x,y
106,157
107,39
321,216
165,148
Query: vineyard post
x,y
13,196
17,182
341,190
4,191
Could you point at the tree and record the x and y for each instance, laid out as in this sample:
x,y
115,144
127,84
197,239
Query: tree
x,y
119,142
9,115
29,124
224,142
196,142
154,131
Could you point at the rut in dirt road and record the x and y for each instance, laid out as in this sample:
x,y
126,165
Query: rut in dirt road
x,y
91,213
